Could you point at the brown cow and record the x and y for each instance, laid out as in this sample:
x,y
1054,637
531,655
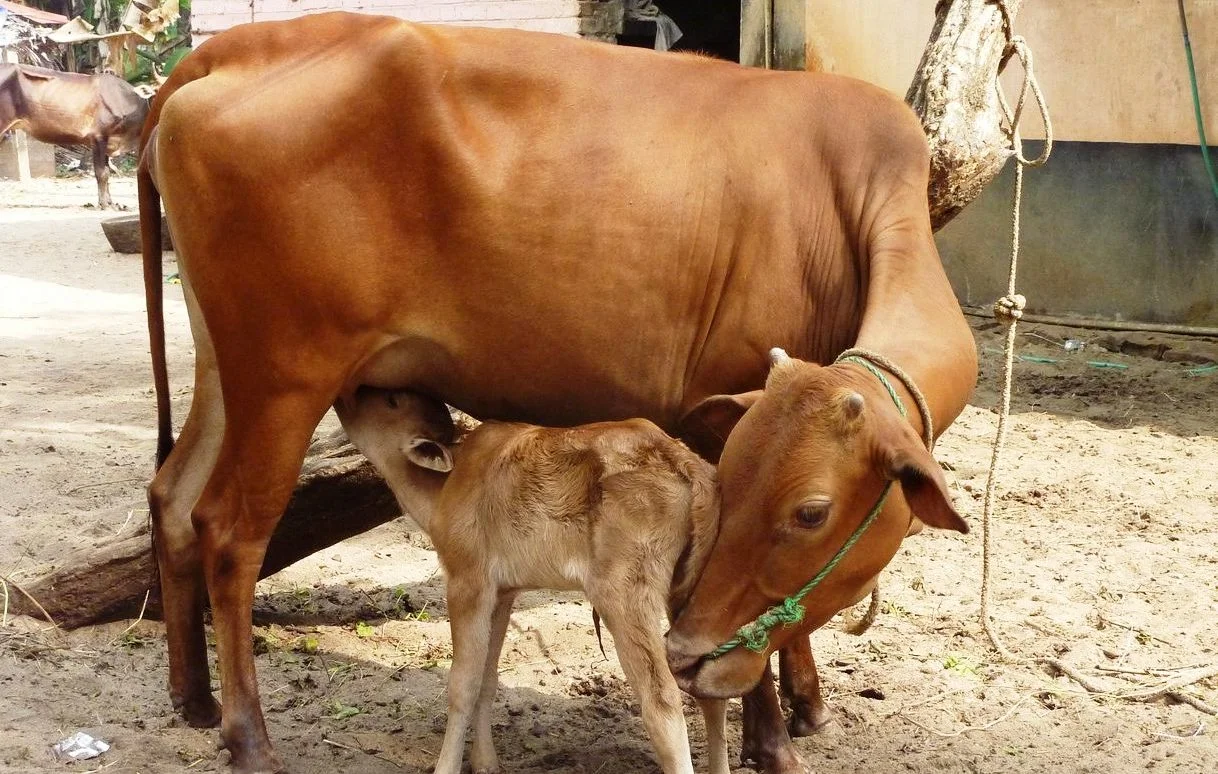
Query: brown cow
x,y
617,509
101,111
534,228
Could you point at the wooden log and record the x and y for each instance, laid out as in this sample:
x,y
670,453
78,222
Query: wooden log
x,y
955,93
339,495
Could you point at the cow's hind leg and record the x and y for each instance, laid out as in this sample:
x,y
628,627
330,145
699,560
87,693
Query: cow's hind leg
x,y
101,171
800,684
266,433
171,498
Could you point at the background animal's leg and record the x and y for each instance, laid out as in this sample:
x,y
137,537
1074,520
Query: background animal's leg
x,y
172,496
482,755
632,617
714,713
101,171
800,684
265,438
766,741
471,610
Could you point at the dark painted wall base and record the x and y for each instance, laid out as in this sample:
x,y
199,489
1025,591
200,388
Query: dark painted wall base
x,y
1110,231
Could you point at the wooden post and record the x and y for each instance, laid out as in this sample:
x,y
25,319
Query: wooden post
x,y
772,33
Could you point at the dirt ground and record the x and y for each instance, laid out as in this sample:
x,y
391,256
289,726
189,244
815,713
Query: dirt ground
x,y
1106,537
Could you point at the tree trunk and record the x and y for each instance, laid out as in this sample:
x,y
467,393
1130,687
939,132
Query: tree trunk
x,y
340,494
955,92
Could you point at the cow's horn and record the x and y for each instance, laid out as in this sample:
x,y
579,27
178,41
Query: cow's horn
x,y
779,356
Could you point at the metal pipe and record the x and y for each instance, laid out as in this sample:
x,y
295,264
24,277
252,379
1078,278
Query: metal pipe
x,y
1104,325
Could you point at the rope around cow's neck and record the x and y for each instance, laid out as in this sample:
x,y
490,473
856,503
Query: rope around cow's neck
x,y
755,636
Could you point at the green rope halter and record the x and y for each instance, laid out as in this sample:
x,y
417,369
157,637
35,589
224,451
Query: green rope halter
x,y
756,635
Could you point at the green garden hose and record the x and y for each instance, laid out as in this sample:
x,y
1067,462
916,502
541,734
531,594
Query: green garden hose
x,y
1192,75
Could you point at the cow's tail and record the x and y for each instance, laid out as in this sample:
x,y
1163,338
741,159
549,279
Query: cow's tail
x,y
154,296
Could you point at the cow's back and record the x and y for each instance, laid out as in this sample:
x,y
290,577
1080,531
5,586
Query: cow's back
x,y
623,222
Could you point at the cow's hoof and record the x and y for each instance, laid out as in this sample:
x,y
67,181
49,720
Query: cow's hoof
x,y
256,762
199,712
807,722
777,762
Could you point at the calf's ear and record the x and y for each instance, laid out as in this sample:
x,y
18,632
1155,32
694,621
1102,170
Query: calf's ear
x,y
706,426
924,487
428,454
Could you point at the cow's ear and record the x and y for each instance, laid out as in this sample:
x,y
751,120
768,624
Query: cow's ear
x,y
924,486
706,427
428,454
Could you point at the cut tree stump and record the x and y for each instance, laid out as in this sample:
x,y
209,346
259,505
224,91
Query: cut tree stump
x,y
339,495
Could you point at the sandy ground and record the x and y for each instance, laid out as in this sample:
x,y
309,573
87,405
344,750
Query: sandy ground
x,y
1107,557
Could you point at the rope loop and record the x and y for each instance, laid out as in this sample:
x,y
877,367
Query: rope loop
x,y
1016,46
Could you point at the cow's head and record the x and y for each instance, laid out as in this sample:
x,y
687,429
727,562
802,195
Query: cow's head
x,y
804,462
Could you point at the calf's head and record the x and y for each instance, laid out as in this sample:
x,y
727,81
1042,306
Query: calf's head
x,y
804,463
394,429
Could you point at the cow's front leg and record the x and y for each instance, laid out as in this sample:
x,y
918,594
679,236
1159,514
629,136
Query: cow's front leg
x,y
101,171
766,741
800,684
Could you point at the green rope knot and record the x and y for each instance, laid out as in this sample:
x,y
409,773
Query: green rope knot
x,y
756,635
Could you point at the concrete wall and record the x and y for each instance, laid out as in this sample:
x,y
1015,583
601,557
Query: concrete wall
x,y
1121,224
1112,70
1116,231
591,18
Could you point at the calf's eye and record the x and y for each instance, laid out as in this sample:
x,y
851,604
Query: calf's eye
x,y
811,515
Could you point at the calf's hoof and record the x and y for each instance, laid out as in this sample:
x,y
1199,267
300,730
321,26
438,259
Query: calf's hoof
x,y
199,711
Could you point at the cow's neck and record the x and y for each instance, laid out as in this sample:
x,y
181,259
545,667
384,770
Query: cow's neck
x,y
911,316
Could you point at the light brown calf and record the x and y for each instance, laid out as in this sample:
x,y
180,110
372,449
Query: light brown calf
x,y
618,509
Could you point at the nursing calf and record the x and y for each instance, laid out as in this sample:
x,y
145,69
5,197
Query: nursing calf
x,y
619,510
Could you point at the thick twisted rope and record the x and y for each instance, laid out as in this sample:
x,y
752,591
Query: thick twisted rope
x,y
1008,310
869,360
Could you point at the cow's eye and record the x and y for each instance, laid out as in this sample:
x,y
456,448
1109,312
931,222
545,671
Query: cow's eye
x,y
812,515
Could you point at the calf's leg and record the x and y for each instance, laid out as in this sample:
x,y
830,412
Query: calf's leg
x,y
471,609
800,684
714,713
482,755
632,618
